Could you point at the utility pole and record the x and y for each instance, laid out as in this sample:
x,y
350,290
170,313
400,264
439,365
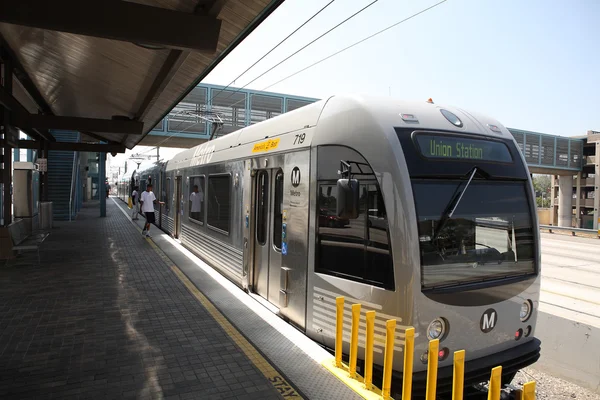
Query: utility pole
x,y
157,153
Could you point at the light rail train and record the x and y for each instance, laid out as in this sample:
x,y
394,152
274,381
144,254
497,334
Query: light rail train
x,y
420,212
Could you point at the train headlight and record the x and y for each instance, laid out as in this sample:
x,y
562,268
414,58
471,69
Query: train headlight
x,y
525,313
436,329
452,118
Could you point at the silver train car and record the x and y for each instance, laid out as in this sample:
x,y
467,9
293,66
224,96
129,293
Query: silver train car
x,y
420,212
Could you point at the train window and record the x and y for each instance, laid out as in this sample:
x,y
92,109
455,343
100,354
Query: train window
x,y
341,241
196,199
262,207
379,267
355,249
218,197
278,210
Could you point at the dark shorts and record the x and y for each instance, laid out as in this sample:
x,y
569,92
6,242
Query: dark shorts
x,y
150,217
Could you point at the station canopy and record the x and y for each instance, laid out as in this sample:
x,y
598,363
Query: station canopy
x,y
111,69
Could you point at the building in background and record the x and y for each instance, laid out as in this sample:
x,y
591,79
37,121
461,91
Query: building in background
x,y
574,196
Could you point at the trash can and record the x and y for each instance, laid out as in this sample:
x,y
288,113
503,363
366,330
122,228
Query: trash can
x,y
46,215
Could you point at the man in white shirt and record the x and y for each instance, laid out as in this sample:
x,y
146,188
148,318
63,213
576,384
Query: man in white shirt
x,y
196,199
147,201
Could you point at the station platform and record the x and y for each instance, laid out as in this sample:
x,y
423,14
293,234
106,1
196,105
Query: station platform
x,y
111,314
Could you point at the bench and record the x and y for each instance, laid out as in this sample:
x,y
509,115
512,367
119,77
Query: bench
x,y
22,240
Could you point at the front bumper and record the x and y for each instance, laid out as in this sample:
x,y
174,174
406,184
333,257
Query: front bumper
x,y
477,370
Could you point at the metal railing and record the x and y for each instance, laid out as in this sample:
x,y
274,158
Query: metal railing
x,y
573,231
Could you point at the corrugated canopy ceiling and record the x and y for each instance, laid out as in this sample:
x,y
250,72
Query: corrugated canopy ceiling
x,y
113,69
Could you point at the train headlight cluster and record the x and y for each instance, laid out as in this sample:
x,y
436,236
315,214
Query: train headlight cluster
x,y
526,309
436,329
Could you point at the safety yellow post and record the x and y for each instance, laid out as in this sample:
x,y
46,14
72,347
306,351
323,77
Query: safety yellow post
x,y
529,391
354,339
458,384
339,327
409,350
495,380
432,367
388,358
369,350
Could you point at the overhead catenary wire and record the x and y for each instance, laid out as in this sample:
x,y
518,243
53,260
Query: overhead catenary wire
x,y
248,69
337,52
304,47
272,49
349,47
172,133
355,44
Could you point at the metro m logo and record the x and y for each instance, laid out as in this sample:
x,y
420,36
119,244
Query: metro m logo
x,y
296,177
488,321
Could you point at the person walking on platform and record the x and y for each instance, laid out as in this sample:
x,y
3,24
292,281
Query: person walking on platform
x,y
147,201
134,204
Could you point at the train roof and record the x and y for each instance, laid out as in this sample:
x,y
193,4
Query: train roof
x,y
388,112
144,166
148,164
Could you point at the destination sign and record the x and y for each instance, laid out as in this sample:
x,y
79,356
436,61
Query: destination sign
x,y
460,148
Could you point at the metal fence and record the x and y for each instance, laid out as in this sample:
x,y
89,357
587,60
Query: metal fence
x,y
236,107
573,231
549,151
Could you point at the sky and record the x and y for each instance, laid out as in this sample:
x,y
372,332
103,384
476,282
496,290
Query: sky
x,y
533,65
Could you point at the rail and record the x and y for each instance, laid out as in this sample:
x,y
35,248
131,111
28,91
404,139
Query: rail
x,y
573,231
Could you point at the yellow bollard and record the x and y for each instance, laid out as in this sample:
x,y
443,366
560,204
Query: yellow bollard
x,y
495,381
529,391
388,358
354,339
369,350
339,327
432,367
458,384
409,351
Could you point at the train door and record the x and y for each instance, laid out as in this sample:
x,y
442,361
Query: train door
x,y
178,207
268,203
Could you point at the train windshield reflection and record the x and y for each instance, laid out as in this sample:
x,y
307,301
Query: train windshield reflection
x,y
489,235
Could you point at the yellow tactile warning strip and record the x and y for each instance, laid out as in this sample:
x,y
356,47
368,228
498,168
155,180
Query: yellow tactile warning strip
x,y
357,384
278,381
258,360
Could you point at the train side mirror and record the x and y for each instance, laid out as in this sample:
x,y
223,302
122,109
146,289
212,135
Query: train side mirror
x,y
348,198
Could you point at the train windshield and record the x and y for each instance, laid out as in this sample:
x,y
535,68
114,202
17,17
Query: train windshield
x,y
487,236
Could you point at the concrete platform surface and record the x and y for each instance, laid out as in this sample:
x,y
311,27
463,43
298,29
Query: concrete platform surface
x,y
105,317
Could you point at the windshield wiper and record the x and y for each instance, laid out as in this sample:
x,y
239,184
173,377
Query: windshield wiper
x,y
452,204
